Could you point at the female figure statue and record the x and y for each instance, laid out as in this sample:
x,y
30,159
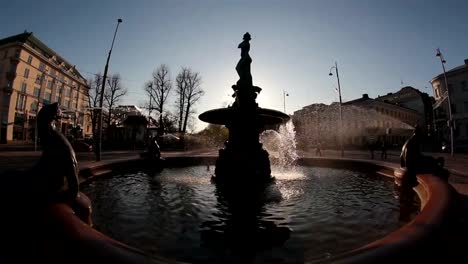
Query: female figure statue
x,y
243,66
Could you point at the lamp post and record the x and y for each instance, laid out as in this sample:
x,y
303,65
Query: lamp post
x,y
450,121
341,111
284,100
101,99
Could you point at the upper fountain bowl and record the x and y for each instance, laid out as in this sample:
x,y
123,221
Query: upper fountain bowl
x,y
223,116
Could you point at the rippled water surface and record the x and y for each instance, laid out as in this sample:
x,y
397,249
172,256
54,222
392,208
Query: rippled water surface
x,y
309,213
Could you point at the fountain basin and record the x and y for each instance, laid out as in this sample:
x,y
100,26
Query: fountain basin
x,y
265,117
436,201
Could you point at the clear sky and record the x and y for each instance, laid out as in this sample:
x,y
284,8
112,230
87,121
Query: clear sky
x,y
378,44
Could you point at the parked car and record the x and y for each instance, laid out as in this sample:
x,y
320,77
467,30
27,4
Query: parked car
x,y
80,146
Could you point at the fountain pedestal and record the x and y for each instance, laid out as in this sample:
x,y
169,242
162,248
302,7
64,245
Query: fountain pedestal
x,y
243,157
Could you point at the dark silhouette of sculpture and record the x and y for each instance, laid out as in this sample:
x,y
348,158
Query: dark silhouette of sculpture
x,y
413,162
54,179
243,66
58,161
244,91
154,151
243,158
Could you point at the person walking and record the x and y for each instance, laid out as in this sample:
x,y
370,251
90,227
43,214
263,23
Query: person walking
x,y
318,151
383,155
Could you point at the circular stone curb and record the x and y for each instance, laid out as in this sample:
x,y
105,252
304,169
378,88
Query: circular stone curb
x,y
415,237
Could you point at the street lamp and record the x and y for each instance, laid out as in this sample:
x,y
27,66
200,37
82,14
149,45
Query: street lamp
x,y
450,121
341,111
284,100
101,100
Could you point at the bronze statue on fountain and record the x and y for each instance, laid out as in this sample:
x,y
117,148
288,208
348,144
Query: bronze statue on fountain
x,y
243,159
413,162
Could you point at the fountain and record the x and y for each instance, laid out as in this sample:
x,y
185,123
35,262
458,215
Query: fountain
x,y
177,215
243,157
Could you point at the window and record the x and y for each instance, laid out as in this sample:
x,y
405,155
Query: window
x,y
41,66
19,119
39,78
47,97
436,91
464,86
17,53
30,59
5,54
37,91
26,73
465,104
23,87
52,72
20,102
33,106
67,103
49,84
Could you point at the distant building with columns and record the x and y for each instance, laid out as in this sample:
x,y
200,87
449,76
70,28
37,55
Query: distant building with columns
x,y
365,121
457,80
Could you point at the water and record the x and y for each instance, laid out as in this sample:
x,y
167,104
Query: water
x,y
281,145
310,213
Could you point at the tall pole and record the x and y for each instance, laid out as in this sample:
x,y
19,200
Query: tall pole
x,y
101,99
284,100
149,118
341,110
450,123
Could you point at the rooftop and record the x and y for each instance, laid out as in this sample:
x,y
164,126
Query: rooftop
x,y
456,70
31,40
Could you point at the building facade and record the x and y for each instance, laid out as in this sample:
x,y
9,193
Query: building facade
x,y
412,98
365,121
32,75
457,80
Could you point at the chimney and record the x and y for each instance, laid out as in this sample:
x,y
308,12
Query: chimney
x,y
466,61
365,96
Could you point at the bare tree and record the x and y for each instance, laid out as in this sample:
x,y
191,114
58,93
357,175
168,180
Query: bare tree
x,y
93,100
158,90
181,87
113,94
193,93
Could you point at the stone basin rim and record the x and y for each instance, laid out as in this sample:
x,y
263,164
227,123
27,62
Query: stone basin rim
x,y
222,116
438,200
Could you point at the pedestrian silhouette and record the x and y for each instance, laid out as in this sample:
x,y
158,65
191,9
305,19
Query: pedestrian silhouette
x,y
383,147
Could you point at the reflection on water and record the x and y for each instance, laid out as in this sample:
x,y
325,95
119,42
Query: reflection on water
x,y
309,213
